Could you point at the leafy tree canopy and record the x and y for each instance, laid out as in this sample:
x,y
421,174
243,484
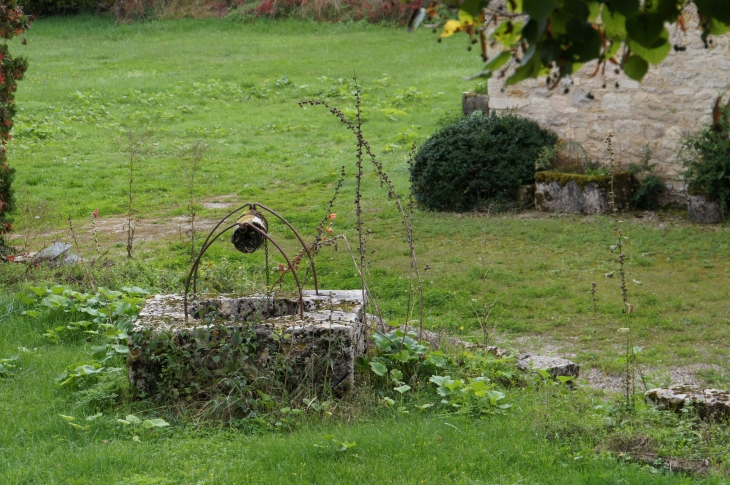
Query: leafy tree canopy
x,y
554,38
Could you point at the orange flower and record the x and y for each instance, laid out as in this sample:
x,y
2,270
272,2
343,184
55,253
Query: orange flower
x,y
332,216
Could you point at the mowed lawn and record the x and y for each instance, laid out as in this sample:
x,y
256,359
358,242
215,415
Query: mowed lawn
x,y
236,87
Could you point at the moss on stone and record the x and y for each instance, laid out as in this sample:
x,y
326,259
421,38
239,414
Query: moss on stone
x,y
623,183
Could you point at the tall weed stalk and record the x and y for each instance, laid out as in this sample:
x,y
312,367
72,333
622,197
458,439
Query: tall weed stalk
x,y
364,150
134,146
628,308
191,158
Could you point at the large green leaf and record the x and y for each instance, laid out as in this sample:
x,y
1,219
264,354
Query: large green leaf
x,y
668,9
472,7
624,7
403,356
636,67
508,33
534,28
718,28
539,8
645,28
612,50
109,294
717,9
396,375
657,52
55,301
99,351
378,368
383,342
550,51
495,396
559,22
586,41
439,380
132,419
576,8
154,423
614,24
498,61
465,17
530,67
595,10
514,6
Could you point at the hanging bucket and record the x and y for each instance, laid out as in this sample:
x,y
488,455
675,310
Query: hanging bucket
x,y
244,238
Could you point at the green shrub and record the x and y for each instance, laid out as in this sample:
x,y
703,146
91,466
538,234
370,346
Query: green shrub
x,y
648,185
57,7
705,156
477,159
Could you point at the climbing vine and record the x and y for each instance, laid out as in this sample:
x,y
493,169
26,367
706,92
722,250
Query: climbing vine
x,y
13,22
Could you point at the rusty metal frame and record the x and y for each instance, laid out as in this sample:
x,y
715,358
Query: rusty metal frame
x,y
193,274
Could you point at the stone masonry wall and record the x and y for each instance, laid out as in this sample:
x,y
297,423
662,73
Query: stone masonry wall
x,y
674,98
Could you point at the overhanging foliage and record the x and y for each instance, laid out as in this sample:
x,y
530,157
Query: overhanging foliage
x,y
554,38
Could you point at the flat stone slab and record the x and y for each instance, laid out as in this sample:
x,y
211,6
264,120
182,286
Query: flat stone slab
x,y
709,402
57,253
704,211
438,341
471,102
555,366
320,347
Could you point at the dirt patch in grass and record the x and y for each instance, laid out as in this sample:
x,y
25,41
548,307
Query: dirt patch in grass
x,y
655,377
112,231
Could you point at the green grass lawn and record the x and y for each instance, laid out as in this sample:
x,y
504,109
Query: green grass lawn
x,y
551,435
236,87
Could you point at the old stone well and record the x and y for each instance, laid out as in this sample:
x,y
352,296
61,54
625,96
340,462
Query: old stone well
x,y
305,339
320,348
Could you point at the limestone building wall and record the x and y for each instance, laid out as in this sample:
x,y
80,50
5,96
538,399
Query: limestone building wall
x,y
674,98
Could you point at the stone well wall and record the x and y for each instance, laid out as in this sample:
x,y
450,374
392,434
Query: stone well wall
x,y
675,97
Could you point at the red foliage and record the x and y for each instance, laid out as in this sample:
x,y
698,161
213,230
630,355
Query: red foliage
x,y
12,23
374,11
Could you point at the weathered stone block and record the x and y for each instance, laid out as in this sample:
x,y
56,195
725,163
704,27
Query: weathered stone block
x,y
710,403
655,131
507,103
701,209
629,127
555,366
471,102
228,336
526,195
616,102
581,194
